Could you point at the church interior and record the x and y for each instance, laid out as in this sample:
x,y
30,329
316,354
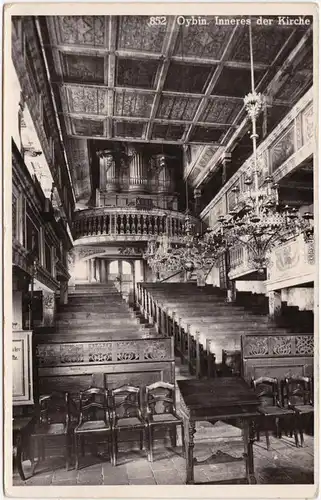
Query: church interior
x,y
163,251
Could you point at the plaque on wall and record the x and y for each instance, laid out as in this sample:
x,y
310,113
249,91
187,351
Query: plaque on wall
x,y
22,384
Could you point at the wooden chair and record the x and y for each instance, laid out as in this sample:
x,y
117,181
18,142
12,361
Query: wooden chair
x,y
297,393
161,412
53,420
127,414
94,418
271,411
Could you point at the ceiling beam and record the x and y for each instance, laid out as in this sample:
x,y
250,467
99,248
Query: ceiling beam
x,y
208,61
111,72
211,84
141,119
171,37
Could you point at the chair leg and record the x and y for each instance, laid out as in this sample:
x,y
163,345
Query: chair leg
x,y
183,441
32,449
67,451
82,445
141,440
301,430
114,448
150,442
43,449
76,441
173,437
267,440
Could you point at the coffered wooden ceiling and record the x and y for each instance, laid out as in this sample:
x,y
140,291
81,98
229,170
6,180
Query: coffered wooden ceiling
x,y
117,78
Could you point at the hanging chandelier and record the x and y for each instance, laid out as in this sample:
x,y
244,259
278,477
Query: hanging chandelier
x,y
193,254
257,220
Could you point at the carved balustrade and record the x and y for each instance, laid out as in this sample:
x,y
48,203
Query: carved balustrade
x,y
131,223
277,355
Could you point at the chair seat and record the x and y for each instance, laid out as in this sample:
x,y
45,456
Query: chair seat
x,y
129,422
303,408
50,430
92,425
275,411
164,417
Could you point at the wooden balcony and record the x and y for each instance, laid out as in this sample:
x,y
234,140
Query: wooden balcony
x,y
128,224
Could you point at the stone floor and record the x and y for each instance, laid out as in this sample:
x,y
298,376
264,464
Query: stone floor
x,y
282,464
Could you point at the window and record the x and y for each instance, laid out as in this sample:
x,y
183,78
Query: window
x,y
32,235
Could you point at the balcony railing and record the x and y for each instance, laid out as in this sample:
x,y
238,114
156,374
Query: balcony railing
x,y
129,223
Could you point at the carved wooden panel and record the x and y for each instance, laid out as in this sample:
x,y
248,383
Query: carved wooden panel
x,y
81,30
282,149
177,107
130,103
78,353
277,345
308,124
86,100
135,33
221,110
206,41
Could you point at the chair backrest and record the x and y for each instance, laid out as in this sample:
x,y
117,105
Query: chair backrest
x,y
93,404
297,390
267,389
160,398
53,408
126,402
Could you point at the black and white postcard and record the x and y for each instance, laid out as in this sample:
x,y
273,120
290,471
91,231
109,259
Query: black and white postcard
x,y
160,243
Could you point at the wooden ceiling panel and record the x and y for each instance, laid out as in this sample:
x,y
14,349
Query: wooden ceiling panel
x,y
174,107
187,77
87,128
131,103
235,82
168,132
81,68
81,30
208,134
293,86
128,129
136,73
267,41
221,110
86,100
203,41
135,33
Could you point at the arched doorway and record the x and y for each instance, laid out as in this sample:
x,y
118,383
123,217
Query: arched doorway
x,y
122,273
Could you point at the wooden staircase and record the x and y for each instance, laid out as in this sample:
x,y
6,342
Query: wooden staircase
x,y
98,311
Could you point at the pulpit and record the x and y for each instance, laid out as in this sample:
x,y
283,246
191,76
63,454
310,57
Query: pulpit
x,y
227,399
